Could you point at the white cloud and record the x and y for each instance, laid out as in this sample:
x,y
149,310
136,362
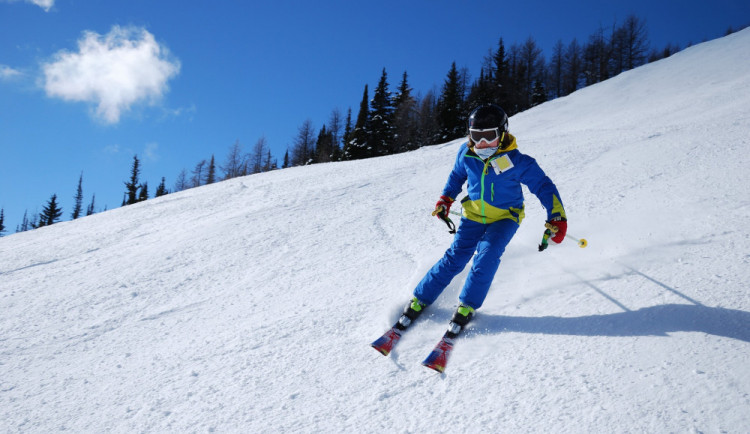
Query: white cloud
x,y
8,73
44,4
114,71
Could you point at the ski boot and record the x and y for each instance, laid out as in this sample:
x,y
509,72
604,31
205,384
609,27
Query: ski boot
x,y
412,311
460,318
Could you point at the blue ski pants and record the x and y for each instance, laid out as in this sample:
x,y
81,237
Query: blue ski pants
x,y
488,241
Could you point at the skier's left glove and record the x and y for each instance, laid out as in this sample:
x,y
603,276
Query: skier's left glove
x,y
562,227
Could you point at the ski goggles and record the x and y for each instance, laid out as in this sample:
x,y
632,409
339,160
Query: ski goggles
x,y
488,135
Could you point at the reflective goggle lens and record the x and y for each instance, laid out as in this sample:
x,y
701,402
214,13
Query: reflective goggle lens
x,y
487,135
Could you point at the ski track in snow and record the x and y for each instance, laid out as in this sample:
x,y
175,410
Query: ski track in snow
x,y
249,305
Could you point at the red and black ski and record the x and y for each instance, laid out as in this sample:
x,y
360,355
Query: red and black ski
x,y
385,343
438,358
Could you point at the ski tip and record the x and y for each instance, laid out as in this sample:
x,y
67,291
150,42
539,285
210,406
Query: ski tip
x,y
434,367
380,349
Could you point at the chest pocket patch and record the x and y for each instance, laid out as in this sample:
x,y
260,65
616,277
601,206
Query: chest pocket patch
x,y
502,164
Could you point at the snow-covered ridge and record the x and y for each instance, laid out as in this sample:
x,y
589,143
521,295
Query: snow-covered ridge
x,y
249,305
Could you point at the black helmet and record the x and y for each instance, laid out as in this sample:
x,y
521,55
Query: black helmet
x,y
488,116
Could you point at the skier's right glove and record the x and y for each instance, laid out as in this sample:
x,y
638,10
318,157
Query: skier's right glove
x,y
443,206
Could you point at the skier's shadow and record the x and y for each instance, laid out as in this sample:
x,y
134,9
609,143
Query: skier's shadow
x,y
648,321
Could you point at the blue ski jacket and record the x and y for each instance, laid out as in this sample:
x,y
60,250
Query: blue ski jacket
x,y
494,186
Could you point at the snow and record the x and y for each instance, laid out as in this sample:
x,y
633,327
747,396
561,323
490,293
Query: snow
x,y
249,305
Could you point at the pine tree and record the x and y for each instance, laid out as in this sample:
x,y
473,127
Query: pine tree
x,y
381,119
451,115
357,146
285,164
51,213
24,223
90,209
405,118
77,208
143,195
2,222
347,135
482,91
131,187
500,77
161,190
269,163
211,175
324,146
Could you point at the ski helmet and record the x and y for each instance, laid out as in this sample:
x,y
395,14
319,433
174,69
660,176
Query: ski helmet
x,y
488,116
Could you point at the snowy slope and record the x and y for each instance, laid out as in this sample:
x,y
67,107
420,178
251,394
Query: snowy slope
x,y
249,305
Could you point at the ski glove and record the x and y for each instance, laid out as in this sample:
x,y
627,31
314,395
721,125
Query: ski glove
x,y
443,206
562,227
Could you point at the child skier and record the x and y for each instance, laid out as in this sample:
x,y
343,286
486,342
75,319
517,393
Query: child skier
x,y
492,211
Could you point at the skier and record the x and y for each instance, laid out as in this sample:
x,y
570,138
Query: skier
x,y
492,211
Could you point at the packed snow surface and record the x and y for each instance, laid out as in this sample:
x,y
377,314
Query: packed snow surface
x,y
249,305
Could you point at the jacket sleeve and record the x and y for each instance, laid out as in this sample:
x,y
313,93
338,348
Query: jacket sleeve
x,y
543,188
457,177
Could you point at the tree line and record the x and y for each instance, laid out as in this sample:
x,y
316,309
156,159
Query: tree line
x,y
517,78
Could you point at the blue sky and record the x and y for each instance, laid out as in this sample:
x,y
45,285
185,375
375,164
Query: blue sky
x,y
85,84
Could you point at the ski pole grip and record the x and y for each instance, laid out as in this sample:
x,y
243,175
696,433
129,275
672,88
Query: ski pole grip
x,y
552,228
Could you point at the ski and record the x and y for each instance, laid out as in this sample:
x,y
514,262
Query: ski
x,y
438,358
385,343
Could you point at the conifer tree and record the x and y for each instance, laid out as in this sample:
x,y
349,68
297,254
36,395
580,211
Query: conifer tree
x,y
451,115
51,213
381,119
161,190
77,208
143,195
285,164
211,175
482,91
405,118
500,77
269,163
90,209
324,146
24,223
347,135
131,187
357,147
2,222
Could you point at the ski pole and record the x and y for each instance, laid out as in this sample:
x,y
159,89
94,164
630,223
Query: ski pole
x,y
553,229
440,212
